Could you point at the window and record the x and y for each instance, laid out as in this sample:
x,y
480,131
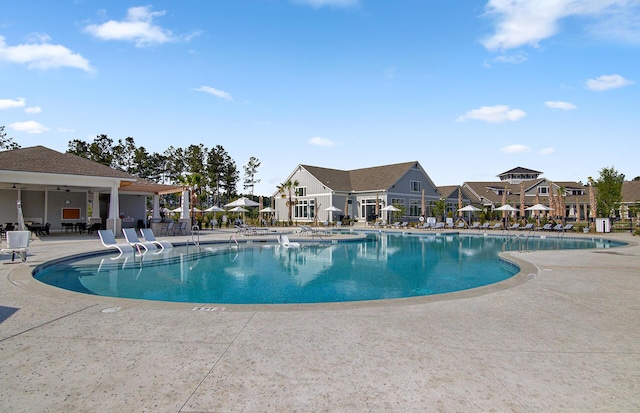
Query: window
x,y
543,190
304,209
397,201
301,191
415,208
415,186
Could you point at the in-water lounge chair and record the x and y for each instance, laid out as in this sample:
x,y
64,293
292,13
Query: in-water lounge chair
x,y
109,240
149,236
133,240
17,243
284,241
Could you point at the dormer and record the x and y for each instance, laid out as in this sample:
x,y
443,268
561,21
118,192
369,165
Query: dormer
x,y
519,174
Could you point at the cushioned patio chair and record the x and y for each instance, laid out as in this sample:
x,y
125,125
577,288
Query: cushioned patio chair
x,y
17,243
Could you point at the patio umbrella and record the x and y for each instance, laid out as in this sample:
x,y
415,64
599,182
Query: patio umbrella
x,y
377,206
505,209
238,209
179,209
267,209
390,208
538,208
331,210
470,209
242,202
424,205
459,201
214,208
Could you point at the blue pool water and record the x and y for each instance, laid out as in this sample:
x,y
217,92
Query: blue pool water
x,y
383,266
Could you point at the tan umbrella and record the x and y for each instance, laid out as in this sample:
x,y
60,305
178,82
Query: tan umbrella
x,y
459,201
537,202
424,205
522,200
260,206
377,205
504,202
592,203
346,205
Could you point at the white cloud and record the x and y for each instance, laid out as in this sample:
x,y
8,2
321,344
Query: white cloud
x,y
34,109
331,3
65,130
547,151
527,22
214,92
28,127
560,105
513,59
515,149
42,56
493,114
136,27
12,103
606,82
318,141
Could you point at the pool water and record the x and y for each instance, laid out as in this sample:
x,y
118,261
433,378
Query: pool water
x,y
383,266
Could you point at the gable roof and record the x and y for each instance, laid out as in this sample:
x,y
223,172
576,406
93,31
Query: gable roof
x,y
631,191
519,170
39,159
365,179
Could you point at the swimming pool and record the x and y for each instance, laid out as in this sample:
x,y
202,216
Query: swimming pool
x,y
382,266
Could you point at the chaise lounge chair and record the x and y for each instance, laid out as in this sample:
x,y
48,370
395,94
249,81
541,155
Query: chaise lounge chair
x,y
17,243
133,240
283,240
497,225
109,241
149,236
528,227
547,227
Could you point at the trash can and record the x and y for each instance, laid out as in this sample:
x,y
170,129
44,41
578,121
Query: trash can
x,y
603,225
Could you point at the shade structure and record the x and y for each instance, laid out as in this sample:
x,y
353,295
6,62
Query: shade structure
x,y
214,208
390,208
469,208
507,208
333,209
538,207
179,209
238,209
242,202
267,209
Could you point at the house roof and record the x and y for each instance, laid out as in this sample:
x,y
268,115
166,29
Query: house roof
x,y
631,191
365,179
520,170
39,159
42,160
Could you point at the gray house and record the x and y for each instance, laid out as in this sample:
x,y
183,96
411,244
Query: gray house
x,y
360,194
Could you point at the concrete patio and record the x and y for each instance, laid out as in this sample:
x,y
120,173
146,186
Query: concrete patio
x,y
562,336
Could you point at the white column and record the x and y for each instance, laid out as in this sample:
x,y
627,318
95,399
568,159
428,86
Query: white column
x,y
95,206
156,207
113,222
185,205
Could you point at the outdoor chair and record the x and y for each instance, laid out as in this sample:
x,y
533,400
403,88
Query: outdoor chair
x,y
528,227
149,236
109,241
283,240
167,228
133,240
17,243
514,226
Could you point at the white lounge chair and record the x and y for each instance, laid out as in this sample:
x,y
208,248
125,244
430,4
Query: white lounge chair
x,y
284,241
109,240
17,243
149,236
133,240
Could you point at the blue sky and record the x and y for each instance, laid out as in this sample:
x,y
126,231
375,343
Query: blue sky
x,y
468,88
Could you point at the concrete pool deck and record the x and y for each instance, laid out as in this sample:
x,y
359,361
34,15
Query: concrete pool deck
x,y
565,336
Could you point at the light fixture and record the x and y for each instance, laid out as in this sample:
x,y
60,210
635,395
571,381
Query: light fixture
x,y
66,201
14,186
58,188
